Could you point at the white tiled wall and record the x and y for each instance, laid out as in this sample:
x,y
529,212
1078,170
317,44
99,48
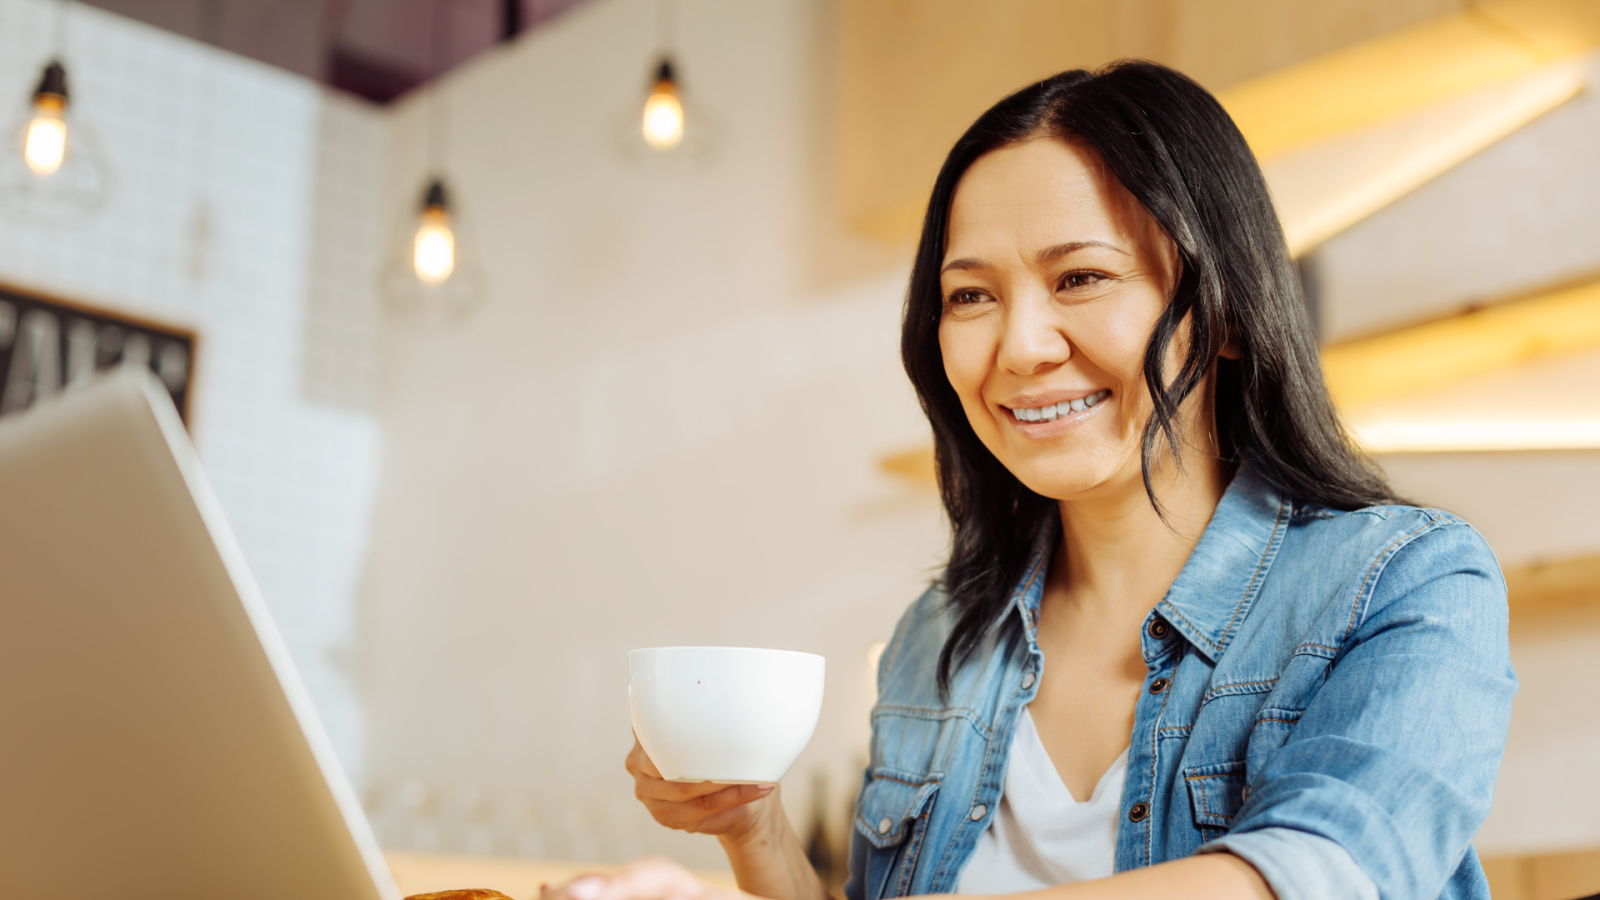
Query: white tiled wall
x,y
242,203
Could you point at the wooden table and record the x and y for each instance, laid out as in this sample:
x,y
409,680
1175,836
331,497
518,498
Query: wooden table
x,y
1559,876
420,873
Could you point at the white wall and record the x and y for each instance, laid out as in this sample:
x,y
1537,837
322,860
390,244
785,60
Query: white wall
x,y
215,222
661,428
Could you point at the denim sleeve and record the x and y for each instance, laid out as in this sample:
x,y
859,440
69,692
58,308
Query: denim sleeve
x,y
1298,865
1395,757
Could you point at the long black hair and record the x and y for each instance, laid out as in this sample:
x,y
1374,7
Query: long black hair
x,y
1174,148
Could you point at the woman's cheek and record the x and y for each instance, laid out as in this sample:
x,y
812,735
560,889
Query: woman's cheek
x,y
968,353
964,360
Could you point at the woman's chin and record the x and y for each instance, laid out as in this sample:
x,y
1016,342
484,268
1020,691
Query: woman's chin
x,y
1071,476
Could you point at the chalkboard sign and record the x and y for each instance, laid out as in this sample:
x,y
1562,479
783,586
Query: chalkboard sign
x,y
48,344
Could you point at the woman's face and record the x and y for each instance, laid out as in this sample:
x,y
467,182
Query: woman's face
x,y
1053,278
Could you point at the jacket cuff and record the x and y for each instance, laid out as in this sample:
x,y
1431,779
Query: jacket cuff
x,y
1298,865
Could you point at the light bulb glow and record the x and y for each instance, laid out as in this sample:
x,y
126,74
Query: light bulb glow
x,y
433,253
45,143
663,117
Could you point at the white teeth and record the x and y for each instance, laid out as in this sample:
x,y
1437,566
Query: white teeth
x,y
1057,410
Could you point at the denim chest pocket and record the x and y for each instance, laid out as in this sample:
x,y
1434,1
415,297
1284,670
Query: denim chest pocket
x,y
1216,792
892,816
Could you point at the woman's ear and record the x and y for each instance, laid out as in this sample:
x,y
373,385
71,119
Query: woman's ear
x,y
1230,347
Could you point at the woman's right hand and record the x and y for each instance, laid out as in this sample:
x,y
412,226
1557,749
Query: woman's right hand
x,y
729,811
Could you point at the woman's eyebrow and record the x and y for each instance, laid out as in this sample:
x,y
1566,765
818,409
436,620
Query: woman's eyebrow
x,y
1051,254
1047,255
966,264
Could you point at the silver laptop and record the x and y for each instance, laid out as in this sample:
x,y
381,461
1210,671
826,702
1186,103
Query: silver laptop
x,y
155,741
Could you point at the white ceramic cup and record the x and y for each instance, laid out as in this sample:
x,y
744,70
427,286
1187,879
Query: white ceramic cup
x,y
733,715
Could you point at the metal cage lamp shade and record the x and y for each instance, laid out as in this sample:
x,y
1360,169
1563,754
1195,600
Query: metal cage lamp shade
x,y
52,167
431,271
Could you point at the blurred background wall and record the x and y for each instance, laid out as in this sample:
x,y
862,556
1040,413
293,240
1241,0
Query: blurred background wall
x,y
664,428
242,205
676,413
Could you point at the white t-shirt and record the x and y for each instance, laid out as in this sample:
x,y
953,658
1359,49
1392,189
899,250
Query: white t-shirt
x,y
1040,836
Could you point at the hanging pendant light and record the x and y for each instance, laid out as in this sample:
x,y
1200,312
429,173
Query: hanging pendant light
x,y
663,111
52,168
433,250
44,144
431,273
670,131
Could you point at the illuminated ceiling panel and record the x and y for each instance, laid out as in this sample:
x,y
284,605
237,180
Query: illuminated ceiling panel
x,y
1547,405
1322,189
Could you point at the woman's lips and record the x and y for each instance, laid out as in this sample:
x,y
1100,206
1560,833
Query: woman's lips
x,y
1062,423
1046,413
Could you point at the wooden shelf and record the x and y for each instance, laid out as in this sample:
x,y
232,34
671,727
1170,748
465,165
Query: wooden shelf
x,y
1554,586
1551,876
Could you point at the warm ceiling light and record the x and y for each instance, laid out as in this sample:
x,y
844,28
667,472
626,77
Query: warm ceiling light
x,y
1440,353
428,275
44,146
433,253
663,111
52,169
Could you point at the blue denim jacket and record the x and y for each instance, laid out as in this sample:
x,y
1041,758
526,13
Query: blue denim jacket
x,y
1335,696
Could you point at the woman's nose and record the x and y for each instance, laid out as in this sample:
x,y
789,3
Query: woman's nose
x,y
1033,340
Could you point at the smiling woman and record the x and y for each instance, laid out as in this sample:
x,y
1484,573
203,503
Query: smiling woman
x,y
1187,642
1029,324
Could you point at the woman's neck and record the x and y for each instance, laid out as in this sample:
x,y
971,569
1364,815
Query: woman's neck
x,y
1119,554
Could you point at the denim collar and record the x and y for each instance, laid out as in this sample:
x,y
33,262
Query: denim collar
x,y
1223,576
1219,582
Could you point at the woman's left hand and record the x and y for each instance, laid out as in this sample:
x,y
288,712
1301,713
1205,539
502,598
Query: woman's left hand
x,y
654,878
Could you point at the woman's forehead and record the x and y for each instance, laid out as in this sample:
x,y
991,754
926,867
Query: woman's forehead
x,y
1039,193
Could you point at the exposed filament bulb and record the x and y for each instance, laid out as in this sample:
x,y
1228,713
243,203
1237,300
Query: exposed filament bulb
x,y
45,145
434,249
663,112
44,142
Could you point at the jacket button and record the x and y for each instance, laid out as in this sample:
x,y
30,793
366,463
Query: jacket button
x,y
1159,685
884,824
1159,629
1027,680
978,812
1138,811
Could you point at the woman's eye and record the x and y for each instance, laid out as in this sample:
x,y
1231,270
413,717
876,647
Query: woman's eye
x,y
1081,279
961,298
